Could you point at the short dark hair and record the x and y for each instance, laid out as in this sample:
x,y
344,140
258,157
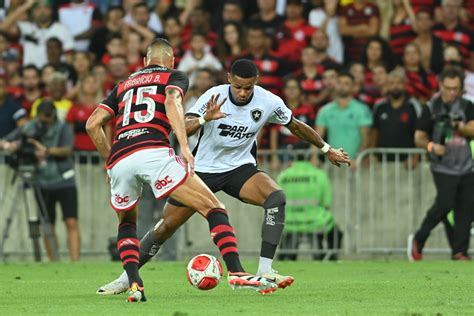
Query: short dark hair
x,y
244,68
160,41
452,72
55,40
139,5
30,67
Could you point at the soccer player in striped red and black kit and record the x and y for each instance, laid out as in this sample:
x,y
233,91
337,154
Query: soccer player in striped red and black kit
x,y
148,105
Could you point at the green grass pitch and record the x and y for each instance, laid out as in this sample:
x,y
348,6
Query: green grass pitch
x,y
345,288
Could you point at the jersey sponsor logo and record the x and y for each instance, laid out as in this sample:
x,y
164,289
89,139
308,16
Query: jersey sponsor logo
x,y
235,131
121,199
160,184
256,114
133,133
281,114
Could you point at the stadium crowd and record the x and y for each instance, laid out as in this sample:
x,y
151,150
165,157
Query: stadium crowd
x,y
319,56
73,52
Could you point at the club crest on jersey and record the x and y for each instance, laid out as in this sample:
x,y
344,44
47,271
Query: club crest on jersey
x,y
256,114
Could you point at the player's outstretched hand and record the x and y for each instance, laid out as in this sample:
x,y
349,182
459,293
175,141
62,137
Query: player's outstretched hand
x,y
213,111
338,157
188,159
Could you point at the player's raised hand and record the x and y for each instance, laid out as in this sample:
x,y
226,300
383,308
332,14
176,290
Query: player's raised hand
x,y
188,159
213,111
338,157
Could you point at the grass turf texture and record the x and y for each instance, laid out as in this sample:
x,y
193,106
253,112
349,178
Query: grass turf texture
x,y
346,288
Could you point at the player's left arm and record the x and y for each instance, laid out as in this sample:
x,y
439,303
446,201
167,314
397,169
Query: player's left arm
x,y
95,128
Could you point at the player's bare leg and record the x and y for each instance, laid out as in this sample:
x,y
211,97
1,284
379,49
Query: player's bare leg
x,y
262,190
129,246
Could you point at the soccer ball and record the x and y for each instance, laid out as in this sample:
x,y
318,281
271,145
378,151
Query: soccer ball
x,y
204,272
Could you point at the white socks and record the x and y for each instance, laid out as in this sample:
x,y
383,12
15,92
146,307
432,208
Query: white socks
x,y
264,265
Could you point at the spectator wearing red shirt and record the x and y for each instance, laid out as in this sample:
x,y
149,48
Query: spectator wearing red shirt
x,y
310,79
90,94
431,46
114,47
295,33
271,67
280,136
377,52
420,83
401,26
453,32
231,43
173,32
357,22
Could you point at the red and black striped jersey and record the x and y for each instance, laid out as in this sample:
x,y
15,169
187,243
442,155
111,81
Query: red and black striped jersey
x,y
310,86
138,105
400,35
460,36
420,85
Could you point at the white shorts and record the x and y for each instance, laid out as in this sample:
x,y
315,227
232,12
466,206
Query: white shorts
x,y
158,167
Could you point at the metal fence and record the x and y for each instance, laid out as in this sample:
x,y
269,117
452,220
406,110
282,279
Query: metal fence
x,y
376,204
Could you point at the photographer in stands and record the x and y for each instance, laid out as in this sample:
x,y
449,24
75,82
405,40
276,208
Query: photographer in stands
x,y
445,129
46,144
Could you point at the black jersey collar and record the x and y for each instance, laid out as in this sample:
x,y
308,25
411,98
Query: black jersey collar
x,y
235,102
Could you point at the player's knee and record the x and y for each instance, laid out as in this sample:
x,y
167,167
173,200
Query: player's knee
x,y
275,199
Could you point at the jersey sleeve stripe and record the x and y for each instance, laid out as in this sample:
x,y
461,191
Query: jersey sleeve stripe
x,y
177,88
107,108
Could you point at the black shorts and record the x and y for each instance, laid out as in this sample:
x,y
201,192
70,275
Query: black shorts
x,y
231,182
67,198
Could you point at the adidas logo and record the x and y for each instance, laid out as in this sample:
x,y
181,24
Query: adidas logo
x,y
126,242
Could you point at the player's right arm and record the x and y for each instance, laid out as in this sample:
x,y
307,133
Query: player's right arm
x,y
211,110
95,128
174,111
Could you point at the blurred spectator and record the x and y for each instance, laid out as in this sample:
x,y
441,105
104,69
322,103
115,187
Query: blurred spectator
x,y
7,51
310,78
31,91
118,69
54,51
295,33
82,64
197,57
445,131
231,43
33,35
420,83
232,12
100,74
90,94
12,115
377,52
173,33
366,92
81,18
453,32
430,45
395,119
267,17
113,23
320,41
271,68
309,200
139,13
345,121
280,136
329,83
323,17
199,22
114,47
55,174
401,26
453,57
357,22
56,90
205,79
46,72
373,92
